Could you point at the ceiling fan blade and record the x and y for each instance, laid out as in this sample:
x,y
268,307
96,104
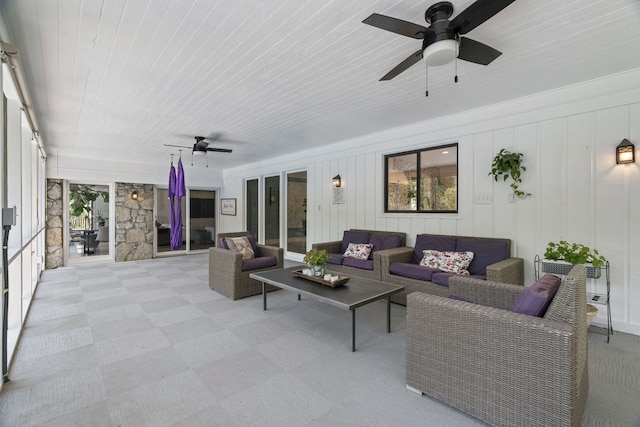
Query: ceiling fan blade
x,y
179,146
200,144
476,14
220,150
397,26
474,51
412,59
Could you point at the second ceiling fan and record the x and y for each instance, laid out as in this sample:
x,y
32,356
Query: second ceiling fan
x,y
201,147
442,41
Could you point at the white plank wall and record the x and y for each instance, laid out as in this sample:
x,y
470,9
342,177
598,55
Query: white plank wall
x,y
578,192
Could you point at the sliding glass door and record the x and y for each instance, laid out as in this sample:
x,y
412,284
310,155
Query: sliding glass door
x,y
202,219
252,206
265,210
198,221
88,225
297,212
272,211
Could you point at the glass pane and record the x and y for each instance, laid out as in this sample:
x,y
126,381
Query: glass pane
x,y
439,179
202,215
163,221
272,211
297,212
252,206
88,220
402,182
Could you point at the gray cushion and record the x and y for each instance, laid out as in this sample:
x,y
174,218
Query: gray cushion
x,y
535,299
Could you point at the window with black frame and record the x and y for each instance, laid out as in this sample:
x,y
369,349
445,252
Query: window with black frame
x,y
423,180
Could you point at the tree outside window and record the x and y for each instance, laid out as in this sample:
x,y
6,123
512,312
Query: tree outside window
x,y
422,180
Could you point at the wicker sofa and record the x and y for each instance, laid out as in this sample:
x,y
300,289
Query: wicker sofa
x,y
229,273
492,261
505,368
382,241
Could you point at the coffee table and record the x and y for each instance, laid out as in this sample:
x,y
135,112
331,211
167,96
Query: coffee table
x,y
355,293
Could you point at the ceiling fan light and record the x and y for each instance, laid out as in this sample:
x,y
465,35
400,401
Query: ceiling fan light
x,y
199,153
440,53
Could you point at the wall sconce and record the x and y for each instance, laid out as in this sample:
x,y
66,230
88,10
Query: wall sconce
x,y
625,152
273,196
337,182
134,195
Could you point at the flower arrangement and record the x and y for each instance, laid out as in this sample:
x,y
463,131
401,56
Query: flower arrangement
x,y
573,253
316,257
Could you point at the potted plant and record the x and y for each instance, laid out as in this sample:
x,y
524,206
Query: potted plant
x,y
101,220
317,260
81,200
573,253
509,165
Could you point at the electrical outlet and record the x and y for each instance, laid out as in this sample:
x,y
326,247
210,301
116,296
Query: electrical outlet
x,y
483,199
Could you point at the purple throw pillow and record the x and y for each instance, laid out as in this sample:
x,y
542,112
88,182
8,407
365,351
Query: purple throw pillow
x,y
535,299
351,236
486,252
432,241
382,241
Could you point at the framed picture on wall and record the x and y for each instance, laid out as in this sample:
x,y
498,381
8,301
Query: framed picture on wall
x,y
228,206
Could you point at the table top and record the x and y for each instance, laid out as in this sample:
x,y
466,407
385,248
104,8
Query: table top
x,y
358,291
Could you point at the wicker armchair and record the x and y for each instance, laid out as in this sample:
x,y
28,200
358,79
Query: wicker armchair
x,y
505,368
226,273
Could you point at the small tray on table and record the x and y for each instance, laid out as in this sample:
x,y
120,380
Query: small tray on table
x,y
341,279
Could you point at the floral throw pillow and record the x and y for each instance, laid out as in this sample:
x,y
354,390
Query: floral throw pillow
x,y
451,262
242,245
358,250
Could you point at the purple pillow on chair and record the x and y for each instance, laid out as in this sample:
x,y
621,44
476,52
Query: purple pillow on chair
x,y
222,243
253,243
535,299
381,241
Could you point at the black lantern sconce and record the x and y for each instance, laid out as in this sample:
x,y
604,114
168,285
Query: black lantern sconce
x,y
273,196
134,195
337,182
625,152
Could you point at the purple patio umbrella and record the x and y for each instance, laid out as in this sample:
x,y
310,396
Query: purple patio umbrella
x,y
171,195
178,192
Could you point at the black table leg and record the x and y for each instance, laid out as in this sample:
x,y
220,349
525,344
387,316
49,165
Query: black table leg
x,y
353,330
388,314
264,297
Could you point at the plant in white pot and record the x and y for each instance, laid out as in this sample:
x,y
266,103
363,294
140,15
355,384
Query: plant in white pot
x,y
317,260
573,253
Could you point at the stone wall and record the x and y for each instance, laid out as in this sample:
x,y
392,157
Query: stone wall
x,y
54,256
134,222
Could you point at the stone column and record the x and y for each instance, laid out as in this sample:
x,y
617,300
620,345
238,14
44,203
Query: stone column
x,y
54,255
134,222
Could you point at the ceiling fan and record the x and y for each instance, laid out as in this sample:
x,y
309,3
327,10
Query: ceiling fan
x,y
441,41
201,147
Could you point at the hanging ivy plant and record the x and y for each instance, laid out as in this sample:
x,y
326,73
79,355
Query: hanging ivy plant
x,y
509,165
